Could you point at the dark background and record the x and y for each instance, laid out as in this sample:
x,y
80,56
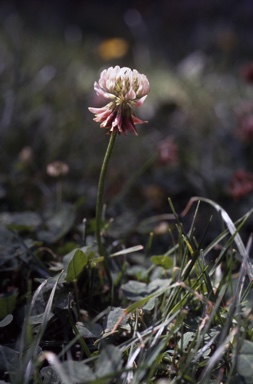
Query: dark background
x,y
174,27
50,60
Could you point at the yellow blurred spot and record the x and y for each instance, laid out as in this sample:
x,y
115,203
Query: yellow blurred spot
x,y
113,48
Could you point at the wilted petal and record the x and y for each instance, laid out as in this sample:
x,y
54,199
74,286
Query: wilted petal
x,y
117,123
107,123
129,126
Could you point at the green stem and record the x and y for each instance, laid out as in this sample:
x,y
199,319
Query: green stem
x,y
99,205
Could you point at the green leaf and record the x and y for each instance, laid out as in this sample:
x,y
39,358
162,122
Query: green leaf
x,y
77,372
11,249
49,376
6,321
134,290
109,362
89,331
185,341
21,220
245,359
76,266
58,224
113,317
9,359
157,284
7,305
69,256
163,261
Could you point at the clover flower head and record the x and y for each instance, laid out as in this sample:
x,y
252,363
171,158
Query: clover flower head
x,y
126,89
57,169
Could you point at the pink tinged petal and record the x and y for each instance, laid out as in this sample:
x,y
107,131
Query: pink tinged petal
x,y
115,70
108,77
144,86
131,95
129,126
139,102
109,120
95,110
101,92
110,85
123,72
100,118
121,122
102,114
125,121
143,89
136,120
103,78
117,123
106,73
101,111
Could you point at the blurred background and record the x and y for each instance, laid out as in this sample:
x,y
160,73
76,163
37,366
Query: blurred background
x,y
198,57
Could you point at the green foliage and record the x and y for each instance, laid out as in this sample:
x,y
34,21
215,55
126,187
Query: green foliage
x,y
76,265
184,320
58,224
7,305
245,359
180,306
163,260
6,321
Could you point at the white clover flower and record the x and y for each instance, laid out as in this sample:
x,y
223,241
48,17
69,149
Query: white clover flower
x,y
127,89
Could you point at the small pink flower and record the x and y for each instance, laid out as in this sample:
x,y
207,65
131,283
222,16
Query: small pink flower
x,y
167,151
127,89
244,116
57,168
246,128
241,184
247,72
